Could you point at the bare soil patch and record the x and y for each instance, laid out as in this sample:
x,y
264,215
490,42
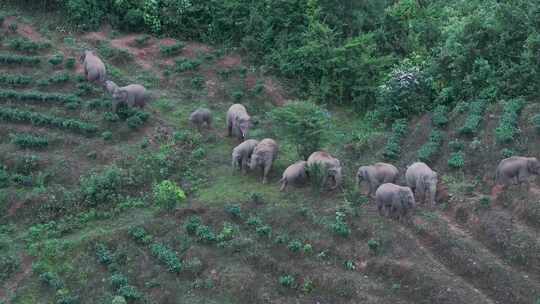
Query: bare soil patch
x,y
24,30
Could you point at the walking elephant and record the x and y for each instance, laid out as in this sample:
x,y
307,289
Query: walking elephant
x,y
241,154
330,165
132,95
94,68
295,173
516,170
200,117
376,175
423,182
264,155
238,121
394,201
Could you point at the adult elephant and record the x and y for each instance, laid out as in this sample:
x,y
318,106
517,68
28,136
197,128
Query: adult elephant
x,y
516,170
423,182
394,201
329,165
376,175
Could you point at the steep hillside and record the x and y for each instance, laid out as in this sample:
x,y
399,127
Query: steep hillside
x,y
79,221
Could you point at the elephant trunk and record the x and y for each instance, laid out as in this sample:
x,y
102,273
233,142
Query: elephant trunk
x,y
338,178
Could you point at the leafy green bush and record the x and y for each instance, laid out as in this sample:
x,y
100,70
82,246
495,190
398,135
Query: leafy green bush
x,y
294,245
287,281
168,195
167,256
118,280
15,80
440,116
374,245
508,130
129,292
392,150
302,123
254,221
38,96
171,50
234,210
456,160
26,45
205,234
429,150
186,64
339,226
107,135
192,224
9,264
140,235
264,230
476,113
102,188
506,152
227,233
408,91
19,60
29,141
52,280
118,300
56,59
70,63
134,122
104,255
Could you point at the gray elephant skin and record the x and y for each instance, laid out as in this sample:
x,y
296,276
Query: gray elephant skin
x,y
241,154
423,182
516,170
238,121
132,95
394,201
201,117
376,175
263,156
94,68
330,165
294,174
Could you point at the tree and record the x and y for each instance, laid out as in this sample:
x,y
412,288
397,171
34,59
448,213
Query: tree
x,y
303,123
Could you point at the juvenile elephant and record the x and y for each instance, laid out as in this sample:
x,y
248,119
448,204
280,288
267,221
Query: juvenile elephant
x,y
132,95
329,164
241,154
94,69
295,173
375,175
516,170
110,86
238,121
394,201
423,182
263,156
200,117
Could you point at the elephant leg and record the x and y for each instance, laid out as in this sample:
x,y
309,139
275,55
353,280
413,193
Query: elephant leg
x,y
229,129
265,173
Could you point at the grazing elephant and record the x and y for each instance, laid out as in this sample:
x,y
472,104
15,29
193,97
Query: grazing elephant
x,y
330,165
110,86
376,175
516,170
241,154
94,69
200,117
394,201
423,181
132,95
263,156
238,121
295,173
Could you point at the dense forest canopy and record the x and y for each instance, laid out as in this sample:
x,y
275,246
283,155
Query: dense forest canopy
x,y
351,52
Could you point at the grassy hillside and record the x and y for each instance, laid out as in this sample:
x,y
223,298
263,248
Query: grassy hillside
x,y
79,221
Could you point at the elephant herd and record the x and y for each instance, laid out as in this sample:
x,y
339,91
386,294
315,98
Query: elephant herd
x,y
392,200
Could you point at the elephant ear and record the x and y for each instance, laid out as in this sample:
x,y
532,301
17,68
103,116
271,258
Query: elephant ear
x,y
123,94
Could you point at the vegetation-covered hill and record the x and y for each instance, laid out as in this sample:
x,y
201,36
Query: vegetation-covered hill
x,y
85,193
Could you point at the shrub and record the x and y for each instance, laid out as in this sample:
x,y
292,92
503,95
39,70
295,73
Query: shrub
x,y
254,221
107,135
508,130
26,45
234,210
506,152
192,224
129,292
456,145
392,150
349,265
476,113
408,91
287,281
118,300
118,280
197,82
166,256
15,80
70,63
339,226
19,60
29,141
171,50
485,202
185,64
374,245
227,233
38,96
9,264
237,96
456,160
440,116
52,279
167,195
134,122
264,230
56,59
307,249
140,235
294,245
102,188
37,119
111,117
205,234
104,256
429,150
308,286
26,163
301,123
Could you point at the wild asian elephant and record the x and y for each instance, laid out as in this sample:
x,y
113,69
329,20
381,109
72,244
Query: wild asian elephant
x,y
295,173
394,201
328,164
241,154
94,68
423,182
264,155
376,175
200,117
132,95
238,122
516,170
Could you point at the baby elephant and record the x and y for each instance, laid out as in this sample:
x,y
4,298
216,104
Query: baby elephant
x,y
375,175
328,164
132,95
295,173
94,69
516,170
394,201
263,156
200,117
238,121
241,154
423,181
